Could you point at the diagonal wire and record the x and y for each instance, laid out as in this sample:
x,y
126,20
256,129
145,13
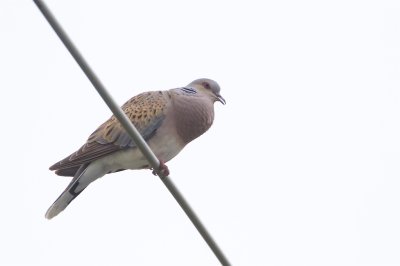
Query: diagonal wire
x,y
131,130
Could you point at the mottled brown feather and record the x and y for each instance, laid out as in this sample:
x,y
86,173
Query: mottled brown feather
x,y
146,111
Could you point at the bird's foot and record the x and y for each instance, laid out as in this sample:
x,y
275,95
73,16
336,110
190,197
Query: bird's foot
x,y
162,169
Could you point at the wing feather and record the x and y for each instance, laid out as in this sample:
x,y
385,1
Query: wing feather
x,y
146,111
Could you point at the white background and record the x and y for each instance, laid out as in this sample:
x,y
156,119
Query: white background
x,y
301,167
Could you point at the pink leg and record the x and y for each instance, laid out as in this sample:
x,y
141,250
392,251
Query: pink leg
x,y
163,169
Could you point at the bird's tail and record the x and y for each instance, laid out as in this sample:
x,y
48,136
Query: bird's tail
x,y
63,201
77,185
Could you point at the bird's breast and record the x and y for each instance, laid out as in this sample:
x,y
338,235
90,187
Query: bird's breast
x,y
194,116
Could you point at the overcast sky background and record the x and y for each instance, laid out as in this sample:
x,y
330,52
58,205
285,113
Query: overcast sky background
x,y
301,167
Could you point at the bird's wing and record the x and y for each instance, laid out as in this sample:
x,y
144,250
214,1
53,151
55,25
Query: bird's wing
x,y
146,111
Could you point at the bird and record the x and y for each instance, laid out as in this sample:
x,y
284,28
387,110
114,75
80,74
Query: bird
x,y
167,120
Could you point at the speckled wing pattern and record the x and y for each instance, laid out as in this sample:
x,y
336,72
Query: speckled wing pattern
x,y
146,111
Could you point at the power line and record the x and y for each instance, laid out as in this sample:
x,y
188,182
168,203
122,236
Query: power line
x,y
131,130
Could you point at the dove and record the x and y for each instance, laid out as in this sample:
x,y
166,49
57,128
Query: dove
x,y
167,120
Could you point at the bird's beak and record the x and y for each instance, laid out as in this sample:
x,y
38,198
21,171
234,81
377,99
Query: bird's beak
x,y
221,99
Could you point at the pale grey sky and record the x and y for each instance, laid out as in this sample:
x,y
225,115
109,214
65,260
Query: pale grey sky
x,y
301,167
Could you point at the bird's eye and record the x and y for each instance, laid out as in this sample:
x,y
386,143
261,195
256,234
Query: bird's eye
x,y
206,85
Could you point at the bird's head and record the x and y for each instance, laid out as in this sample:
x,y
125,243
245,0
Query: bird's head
x,y
209,87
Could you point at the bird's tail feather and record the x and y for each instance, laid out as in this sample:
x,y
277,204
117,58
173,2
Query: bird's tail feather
x,y
61,203
70,193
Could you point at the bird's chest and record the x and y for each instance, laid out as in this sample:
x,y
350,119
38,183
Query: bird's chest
x,y
193,119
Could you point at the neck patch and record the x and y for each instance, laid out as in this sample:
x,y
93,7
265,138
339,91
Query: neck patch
x,y
189,90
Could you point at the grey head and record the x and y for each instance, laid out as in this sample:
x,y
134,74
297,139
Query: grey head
x,y
210,87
